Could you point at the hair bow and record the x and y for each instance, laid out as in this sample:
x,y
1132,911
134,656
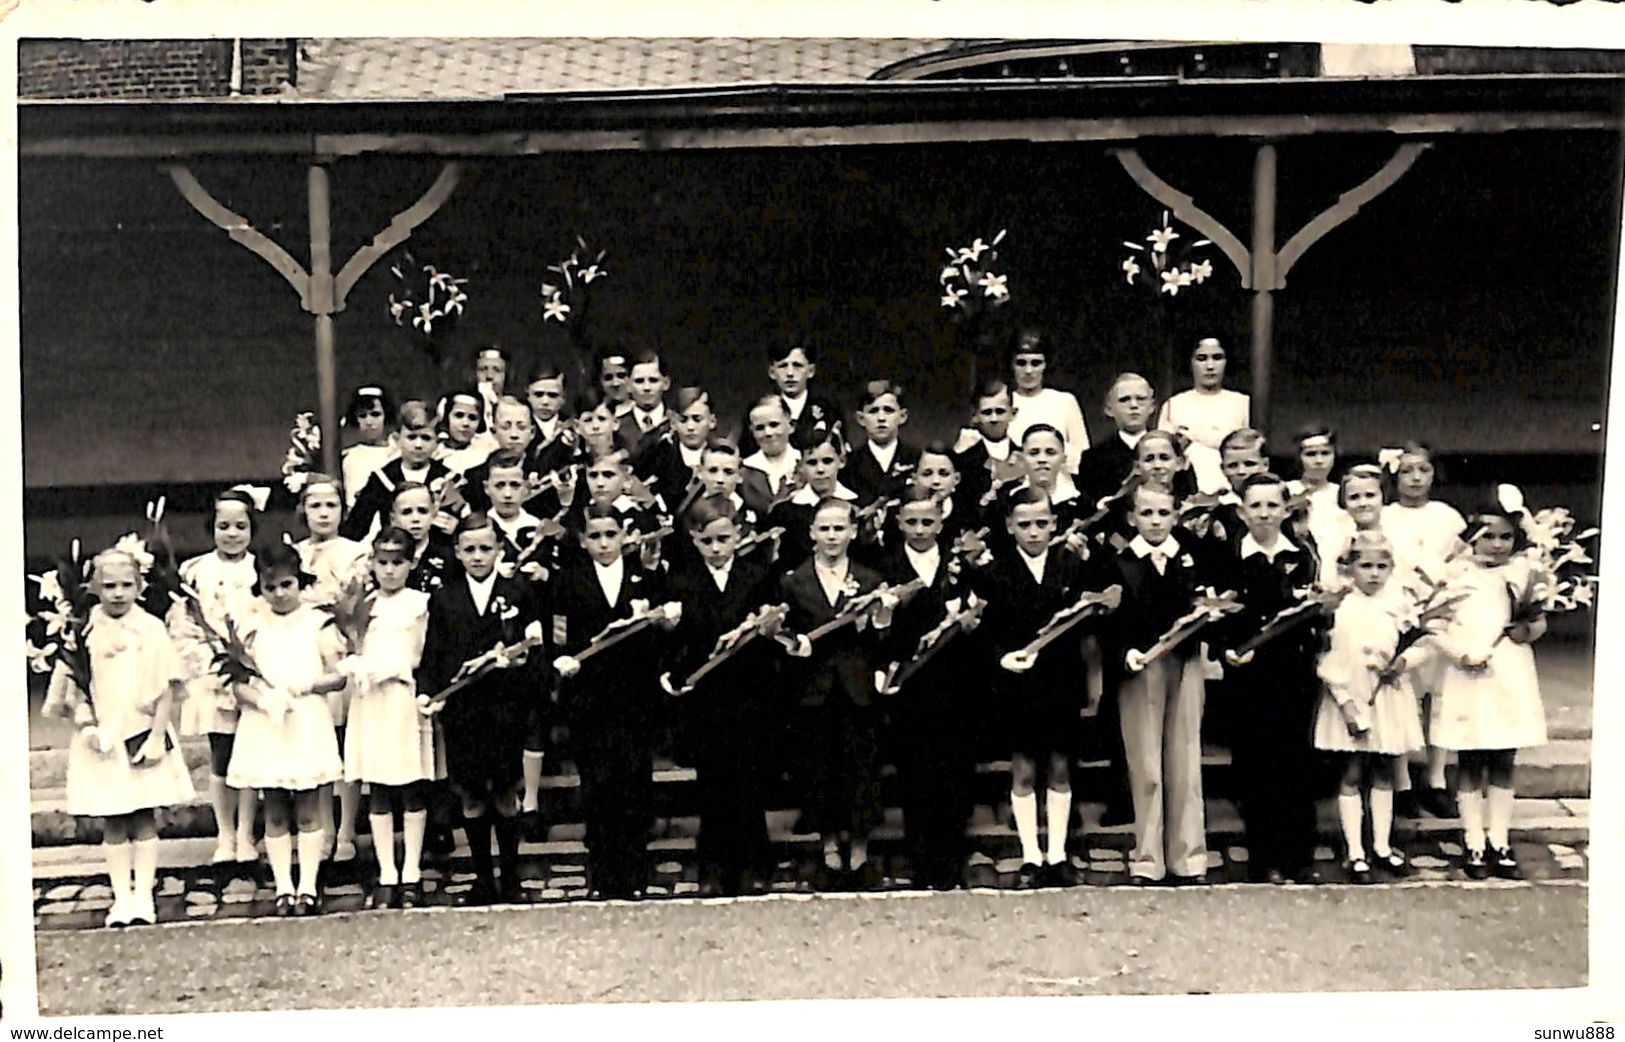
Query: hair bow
x,y
1388,459
260,495
369,392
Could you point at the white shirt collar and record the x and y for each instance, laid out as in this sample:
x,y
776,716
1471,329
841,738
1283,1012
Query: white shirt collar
x,y
1131,440
883,456
774,468
548,429
624,503
805,496
925,564
1250,546
720,575
832,580
1065,488
522,520
1033,564
649,419
480,591
795,405
691,457
999,450
1141,548
609,578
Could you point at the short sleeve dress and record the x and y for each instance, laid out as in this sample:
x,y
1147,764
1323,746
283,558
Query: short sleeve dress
x,y
297,750
1498,707
225,589
133,661
1365,633
388,742
332,563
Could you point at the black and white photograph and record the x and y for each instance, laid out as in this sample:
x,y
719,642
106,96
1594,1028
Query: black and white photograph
x,y
535,520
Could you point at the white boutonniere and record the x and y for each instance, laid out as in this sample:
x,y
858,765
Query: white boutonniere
x,y
817,411
1185,561
850,587
639,606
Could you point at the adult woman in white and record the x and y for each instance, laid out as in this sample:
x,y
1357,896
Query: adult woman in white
x,y
1035,404
1206,413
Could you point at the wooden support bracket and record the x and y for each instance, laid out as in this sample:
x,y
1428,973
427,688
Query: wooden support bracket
x,y
1185,208
241,232
1347,205
399,230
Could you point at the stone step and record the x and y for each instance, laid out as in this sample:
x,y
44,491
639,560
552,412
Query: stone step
x,y
1560,769
1565,821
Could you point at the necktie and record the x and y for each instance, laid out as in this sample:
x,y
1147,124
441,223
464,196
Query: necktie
x,y
1159,559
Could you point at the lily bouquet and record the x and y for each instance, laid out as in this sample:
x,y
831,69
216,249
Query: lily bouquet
x,y
567,291
1426,606
303,457
61,622
426,300
1166,269
1561,571
970,281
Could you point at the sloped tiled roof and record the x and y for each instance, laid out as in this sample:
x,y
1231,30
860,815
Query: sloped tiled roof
x,y
384,68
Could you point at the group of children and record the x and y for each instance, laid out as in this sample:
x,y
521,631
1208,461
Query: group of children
x,y
809,609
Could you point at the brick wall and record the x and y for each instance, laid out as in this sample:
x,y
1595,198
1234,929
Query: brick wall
x,y
149,68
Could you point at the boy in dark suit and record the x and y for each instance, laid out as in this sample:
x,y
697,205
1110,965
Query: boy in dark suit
x,y
791,367
881,466
837,719
416,464
1159,704
485,723
984,454
728,710
609,698
648,420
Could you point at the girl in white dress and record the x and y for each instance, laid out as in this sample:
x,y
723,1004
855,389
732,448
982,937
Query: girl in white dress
x,y
390,745
1488,704
1317,455
332,562
286,745
124,762
1424,532
1206,413
465,439
224,580
371,414
1360,495
1367,722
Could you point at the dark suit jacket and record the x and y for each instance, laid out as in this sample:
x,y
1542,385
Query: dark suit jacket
x,y
862,474
1152,602
818,411
950,671
457,633
1018,608
639,442
842,663
707,614
374,498
618,685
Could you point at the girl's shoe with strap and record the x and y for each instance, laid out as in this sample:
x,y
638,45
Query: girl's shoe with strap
x,y
1476,865
1504,863
1359,870
1395,864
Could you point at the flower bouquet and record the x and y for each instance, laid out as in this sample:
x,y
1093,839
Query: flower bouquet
x,y
1429,605
1166,269
1559,579
351,610
426,301
304,453
62,624
970,283
566,300
233,660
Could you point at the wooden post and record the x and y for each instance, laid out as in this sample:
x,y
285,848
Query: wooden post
x,y
1263,257
321,287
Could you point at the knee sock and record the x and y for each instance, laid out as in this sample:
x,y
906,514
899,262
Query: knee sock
x,y
832,852
1472,819
119,859
413,825
245,824
383,845
349,807
324,812
311,845
1025,809
145,858
860,853
223,798
1058,819
1498,814
1350,814
507,830
1382,821
279,850
478,831
532,767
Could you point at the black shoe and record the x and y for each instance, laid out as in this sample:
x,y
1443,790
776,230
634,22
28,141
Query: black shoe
x,y
865,877
1359,870
1275,877
1307,876
479,895
284,906
1030,877
384,895
306,905
410,895
1476,865
1141,882
1394,863
1178,880
1060,876
1440,803
1504,864
513,891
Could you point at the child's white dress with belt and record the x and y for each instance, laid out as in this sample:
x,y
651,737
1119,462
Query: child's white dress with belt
x,y
297,749
132,663
224,588
388,742
1365,633
1500,706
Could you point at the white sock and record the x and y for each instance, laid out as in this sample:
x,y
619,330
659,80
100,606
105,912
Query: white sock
x,y
1058,819
532,767
1382,821
145,858
279,851
413,824
1437,758
1350,814
324,812
246,804
1472,819
118,856
1499,815
223,798
349,807
310,860
383,844
859,855
1025,809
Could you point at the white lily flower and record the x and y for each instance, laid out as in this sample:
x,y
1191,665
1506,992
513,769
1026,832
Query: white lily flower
x,y
1510,498
549,290
555,309
57,620
39,659
1131,270
136,547
949,273
1160,239
50,586
993,285
999,237
591,272
1202,271
1172,281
